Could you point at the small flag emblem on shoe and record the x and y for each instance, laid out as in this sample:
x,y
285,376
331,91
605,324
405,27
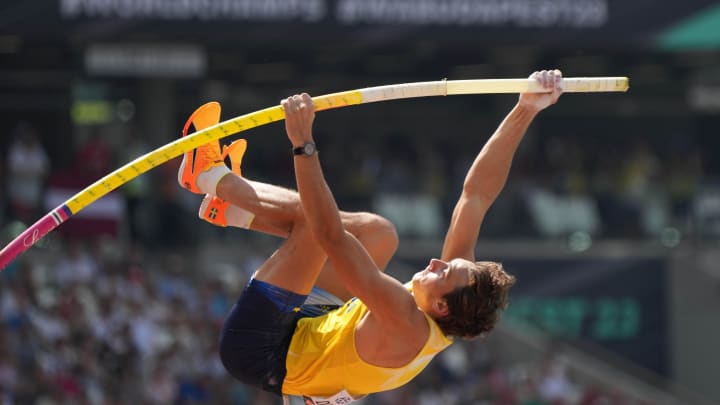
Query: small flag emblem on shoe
x,y
213,213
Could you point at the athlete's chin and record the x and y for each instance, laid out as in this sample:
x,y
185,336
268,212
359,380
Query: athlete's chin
x,y
416,281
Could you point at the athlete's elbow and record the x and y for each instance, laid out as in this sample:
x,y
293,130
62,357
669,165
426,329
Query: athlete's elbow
x,y
477,200
487,191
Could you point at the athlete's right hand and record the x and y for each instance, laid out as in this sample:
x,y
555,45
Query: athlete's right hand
x,y
299,117
550,80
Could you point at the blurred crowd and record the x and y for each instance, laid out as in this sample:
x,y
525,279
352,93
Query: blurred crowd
x,y
117,310
108,325
560,184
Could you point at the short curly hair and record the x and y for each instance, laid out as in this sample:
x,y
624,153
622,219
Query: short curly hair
x,y
474,310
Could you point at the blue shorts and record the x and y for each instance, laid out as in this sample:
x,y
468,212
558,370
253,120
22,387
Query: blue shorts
x,y
256,335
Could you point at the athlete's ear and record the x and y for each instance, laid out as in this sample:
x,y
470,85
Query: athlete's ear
x,y
441,307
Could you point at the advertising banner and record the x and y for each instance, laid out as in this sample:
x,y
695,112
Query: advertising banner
x,y
537,21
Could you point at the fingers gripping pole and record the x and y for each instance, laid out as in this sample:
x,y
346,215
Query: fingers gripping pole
x,y
245,122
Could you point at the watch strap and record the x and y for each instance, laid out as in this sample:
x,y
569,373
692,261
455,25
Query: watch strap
x,y
303,149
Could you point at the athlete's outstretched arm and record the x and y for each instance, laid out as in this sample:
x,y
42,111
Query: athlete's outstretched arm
x,y
489,172
386,298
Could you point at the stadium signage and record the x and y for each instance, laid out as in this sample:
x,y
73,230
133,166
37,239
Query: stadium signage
x,y
273,10
489,13
523,13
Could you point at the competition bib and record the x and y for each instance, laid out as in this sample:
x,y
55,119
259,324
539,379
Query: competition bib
x,y
341,398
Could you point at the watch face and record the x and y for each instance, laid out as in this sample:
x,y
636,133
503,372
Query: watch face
x,y
309,149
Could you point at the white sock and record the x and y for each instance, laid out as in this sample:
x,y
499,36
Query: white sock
x,y
208,180
239,217
235,216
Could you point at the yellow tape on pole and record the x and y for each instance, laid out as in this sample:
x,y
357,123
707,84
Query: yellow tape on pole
x,y
153,159
192,141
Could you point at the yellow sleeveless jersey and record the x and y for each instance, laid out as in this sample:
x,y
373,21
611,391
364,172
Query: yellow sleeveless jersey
x,y
322,360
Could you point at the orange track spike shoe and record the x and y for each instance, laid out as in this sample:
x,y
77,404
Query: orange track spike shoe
x,y
205,156
236,151
212,209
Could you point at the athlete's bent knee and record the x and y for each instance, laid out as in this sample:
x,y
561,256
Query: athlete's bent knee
x,y
381,230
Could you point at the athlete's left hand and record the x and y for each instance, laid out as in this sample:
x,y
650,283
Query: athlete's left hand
x,y
299,117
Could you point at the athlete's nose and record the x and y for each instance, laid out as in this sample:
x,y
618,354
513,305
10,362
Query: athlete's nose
x,y
436,264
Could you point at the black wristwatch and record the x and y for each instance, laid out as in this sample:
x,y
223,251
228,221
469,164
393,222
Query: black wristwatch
x,y
307,149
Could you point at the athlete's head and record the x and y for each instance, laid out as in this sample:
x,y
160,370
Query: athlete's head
x,y
463,297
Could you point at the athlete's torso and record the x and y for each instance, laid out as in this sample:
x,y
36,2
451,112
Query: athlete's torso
x,y
322,359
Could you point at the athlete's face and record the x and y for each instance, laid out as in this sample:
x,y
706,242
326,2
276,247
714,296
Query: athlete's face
x,y
438,279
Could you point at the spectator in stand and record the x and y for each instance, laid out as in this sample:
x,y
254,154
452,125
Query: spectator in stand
x,y
27,168
137,189
78,266
94,158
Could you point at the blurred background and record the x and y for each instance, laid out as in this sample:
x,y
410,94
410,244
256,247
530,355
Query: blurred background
x,y
610,219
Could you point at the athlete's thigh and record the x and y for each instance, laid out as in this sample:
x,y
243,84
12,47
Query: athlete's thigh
x,y
296,264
